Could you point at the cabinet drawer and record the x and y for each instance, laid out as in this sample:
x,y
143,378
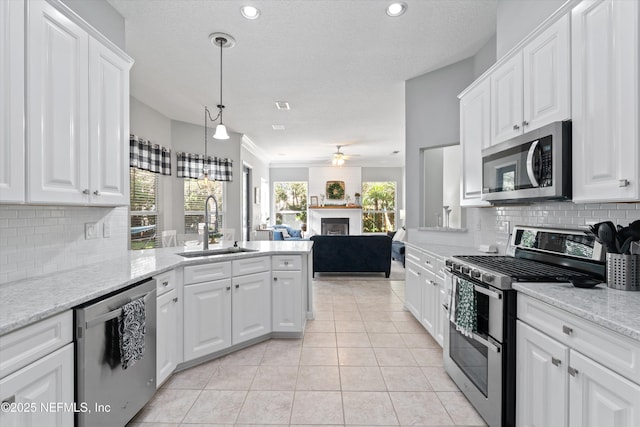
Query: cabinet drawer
x,y
619,353
207,272
250,265
165,282
429,262
286,262
21,347
413,254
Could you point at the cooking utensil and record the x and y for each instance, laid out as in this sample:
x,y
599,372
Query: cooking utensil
x,y
624,249
607,234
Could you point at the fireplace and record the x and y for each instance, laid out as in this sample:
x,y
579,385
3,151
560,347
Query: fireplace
x,y
335,226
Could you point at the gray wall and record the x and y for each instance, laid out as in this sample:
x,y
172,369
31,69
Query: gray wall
x,y
432,119
102,17
259,172
485,57
516,19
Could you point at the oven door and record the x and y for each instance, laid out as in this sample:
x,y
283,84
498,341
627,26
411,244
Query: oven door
x,y
474,359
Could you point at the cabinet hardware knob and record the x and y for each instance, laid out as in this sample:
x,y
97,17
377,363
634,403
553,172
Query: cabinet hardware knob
x,y
228,288
165,283
556,362
85,191
516,127
434,283
237,286
525,123
623,183
96,193
275,279
286,263
573,372
175,299
567,330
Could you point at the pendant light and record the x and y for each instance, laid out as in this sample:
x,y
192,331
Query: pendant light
x,y
223,41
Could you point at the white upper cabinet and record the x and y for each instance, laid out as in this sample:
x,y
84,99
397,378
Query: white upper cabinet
x,y
108,125
57,107
547,77
605,67
77,113
533,88
12,176
475,134
506,100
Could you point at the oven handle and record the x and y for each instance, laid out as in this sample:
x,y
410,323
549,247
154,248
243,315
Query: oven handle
x,y
491,346
487,292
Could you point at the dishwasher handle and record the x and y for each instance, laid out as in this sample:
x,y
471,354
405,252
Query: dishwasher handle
x,y
113,313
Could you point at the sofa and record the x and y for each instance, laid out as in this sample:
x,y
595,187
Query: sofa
x,y
284,232
351,254
397,244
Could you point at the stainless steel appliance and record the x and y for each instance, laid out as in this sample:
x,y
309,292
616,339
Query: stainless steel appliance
x,y
532,166
110,394
483,363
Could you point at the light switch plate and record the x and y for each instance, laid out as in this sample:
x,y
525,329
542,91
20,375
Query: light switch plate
x,y
91,230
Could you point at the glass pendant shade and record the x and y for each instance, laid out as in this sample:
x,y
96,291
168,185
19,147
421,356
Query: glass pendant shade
x,y
221,132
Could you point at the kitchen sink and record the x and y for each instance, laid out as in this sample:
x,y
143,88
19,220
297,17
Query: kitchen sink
x,y
211,252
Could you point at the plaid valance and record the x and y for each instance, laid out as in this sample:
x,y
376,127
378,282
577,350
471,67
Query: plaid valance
x,y
148,156
190,166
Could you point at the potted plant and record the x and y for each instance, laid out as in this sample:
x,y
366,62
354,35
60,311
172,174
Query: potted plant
x,y
357,197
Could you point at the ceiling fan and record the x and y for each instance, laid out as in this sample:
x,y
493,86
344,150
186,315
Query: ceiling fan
x,y
339,157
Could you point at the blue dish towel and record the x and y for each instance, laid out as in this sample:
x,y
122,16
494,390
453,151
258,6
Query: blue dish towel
x,y
132,331
466,308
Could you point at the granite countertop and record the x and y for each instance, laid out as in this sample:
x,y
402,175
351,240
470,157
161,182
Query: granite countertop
x,y
447,251
610,308
26,301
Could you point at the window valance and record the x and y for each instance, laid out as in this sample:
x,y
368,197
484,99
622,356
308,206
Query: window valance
x,y
190,166
148,156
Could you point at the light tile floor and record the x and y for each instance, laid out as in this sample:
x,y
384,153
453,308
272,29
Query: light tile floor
x,y
363,361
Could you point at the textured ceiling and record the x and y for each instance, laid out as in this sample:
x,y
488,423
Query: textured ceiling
x,y
341,64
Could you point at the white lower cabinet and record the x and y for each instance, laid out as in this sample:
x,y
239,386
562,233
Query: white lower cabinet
x,y
251,306
207,318
430,302
557,385
287,311
34,391
166,336
412,290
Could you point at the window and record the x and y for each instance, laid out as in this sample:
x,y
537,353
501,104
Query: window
x,y
143,211
378,207
291,203
194,198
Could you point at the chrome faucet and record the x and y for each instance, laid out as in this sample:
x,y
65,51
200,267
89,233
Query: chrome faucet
x,y
207,220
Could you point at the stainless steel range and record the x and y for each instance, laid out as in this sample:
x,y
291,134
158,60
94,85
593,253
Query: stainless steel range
x,y
479,348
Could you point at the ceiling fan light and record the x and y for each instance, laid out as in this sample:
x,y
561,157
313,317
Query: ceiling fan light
x,y
221,132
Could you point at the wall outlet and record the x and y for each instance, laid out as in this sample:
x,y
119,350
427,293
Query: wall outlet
x,y
106,229
91,230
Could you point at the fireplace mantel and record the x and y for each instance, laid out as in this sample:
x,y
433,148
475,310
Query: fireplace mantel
x,y
316,213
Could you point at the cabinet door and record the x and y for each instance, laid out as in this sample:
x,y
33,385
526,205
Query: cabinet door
x,y
600,397
475,134
430,299
47,381
108,125
542,387
442,319
506,100
606,149
12,176
413,288
166,336
207,318
286,291
57,106
251,306
547,77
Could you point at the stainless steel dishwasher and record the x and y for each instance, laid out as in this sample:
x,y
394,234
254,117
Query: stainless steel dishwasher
x,y
106,394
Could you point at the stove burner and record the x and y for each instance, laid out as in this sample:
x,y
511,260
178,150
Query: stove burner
x,y
521,270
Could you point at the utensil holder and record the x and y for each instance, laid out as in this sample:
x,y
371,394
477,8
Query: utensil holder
x,y
623,272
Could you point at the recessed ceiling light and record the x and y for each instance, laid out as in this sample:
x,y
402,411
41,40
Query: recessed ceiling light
x,y
250,12
282,105
396,9
277,127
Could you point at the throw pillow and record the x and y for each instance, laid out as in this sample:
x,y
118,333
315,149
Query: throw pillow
x,y
294,233
399,236
285,233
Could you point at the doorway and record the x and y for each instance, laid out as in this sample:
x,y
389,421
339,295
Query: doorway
x,y
247,206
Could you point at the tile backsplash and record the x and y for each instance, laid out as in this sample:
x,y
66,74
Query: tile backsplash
x,y
497,222
37,240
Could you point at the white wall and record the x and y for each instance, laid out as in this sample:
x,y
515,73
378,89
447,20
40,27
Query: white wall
x,y
516,19
319,176
102,16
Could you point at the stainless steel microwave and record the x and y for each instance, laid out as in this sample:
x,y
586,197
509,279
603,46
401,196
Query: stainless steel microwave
x,y
534,166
